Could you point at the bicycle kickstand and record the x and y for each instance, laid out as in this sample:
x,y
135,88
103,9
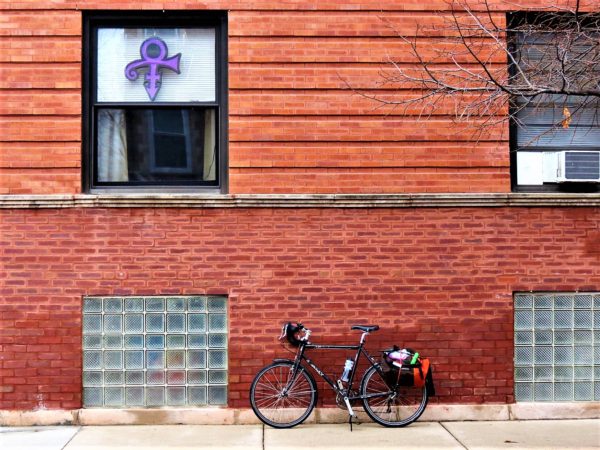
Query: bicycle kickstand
x,y
351,414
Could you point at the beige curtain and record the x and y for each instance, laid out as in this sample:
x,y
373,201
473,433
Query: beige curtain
x,y
209,146
112,146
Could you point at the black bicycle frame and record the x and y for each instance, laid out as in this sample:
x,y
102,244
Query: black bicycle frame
x,y
300,356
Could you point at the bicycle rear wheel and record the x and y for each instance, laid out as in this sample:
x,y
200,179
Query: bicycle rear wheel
x,y
278,399
388,407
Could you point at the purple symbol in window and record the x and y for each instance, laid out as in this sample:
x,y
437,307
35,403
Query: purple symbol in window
x,y
154,53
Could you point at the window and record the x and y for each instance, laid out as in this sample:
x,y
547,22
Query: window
x,y
154,351
557,347
155,102
555,135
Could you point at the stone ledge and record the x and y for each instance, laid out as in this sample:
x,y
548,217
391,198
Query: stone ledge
x,y
298,201
231,416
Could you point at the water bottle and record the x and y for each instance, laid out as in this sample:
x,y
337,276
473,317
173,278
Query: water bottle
x,y
347,368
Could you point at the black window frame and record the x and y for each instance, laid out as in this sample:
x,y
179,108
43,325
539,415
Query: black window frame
x,y
94,20
514,19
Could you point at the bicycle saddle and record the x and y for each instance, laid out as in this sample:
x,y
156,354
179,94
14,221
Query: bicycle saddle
x,y
365,328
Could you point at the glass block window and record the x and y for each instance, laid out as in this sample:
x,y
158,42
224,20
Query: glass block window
x,y
557,347
154,351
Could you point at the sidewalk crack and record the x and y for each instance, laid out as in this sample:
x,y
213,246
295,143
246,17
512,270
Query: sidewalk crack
x,y
455,438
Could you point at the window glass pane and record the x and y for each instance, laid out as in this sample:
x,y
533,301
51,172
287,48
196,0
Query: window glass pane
x,y
151,146
119,47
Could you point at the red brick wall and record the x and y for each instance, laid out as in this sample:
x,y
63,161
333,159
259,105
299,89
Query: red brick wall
x,y
438,280
295,127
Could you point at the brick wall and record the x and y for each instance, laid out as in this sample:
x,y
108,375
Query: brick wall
x,y
293,119
438,280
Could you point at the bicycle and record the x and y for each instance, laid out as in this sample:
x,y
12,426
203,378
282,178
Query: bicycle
x,y
284,393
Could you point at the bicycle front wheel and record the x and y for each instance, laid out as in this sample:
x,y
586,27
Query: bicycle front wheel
x,y
281,398
388,407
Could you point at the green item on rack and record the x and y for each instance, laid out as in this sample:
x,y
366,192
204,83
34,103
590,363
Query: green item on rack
x,y
415,358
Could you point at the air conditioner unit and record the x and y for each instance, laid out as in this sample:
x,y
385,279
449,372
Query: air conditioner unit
x,y
572,166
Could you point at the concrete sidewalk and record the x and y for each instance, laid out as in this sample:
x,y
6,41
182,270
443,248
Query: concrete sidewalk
x,y
538,434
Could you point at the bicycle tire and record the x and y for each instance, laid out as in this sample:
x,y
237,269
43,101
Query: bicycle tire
x,y
280,409
399,408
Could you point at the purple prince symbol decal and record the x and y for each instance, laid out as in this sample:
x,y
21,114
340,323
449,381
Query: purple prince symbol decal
x,y
154,53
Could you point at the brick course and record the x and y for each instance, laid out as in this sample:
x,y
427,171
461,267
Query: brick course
x,y
437,279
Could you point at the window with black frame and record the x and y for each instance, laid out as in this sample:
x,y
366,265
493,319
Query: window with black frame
x,y
156,101
555,135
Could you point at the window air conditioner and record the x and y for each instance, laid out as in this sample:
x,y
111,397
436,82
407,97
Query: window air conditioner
x,y
578,166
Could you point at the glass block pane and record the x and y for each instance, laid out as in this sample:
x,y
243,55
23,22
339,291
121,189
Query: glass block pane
x,y
217,395
563,302
543,336
584,373
155,377
134,341
563,337
154,341
583,301
217,359
155,396
217,340
217,322
92,342
176,359
113,377
563,391
113,323
196,323
542,355
196,359
114,396
543,373
134,377
217,304
134,360
543,392
113,360
176,341
597,373
523,373
523,320
597,354
197,341
113,341
542,301
92,360
155,360
196,377
134,304
584,355
93,397
176,396
197,395
217,376
176,377
197,304
134,396
563,319
92,378
583,337
584,391
524,355
597,391
563,373
175,304
155,323
155,304
563,355
134,323
92,324
582,319
91,305
542,319
597,301
176,323
113,305
523,337
523,301
596,319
